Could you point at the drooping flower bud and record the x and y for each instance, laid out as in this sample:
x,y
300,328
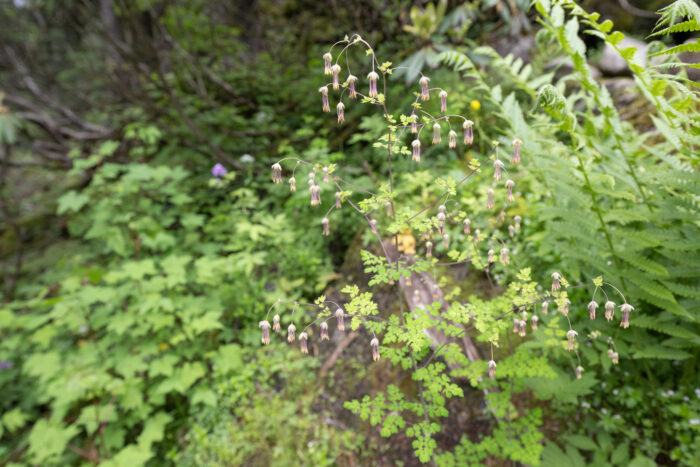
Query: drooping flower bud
x,y
489,198
335,69
504,256
516,325
492,256
303,337
326,227
436,133
327,57
292,184
443,101
571,338
564,307
341,112
492,369
510,184
468,132
615,358
325,175
625,308
324,331
452,139
523,315
467,226
340,317
424,92
477,236
324,98
516,151
592,305
497,166
265,326
276,323
556,277
579,372
446,240
610,353
388,208
276,173
374,344
609,310
534,320
312,175
441,222
373,77
373,225
338,199
414,124
315,195
517,220
545,308
290,333
511,231
428,249
416,150
521,328
352,92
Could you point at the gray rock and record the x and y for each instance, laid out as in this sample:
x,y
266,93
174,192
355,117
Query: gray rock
x,y
612,63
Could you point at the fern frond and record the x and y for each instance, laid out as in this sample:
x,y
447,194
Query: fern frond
x,y
655,324
676,11
685,26
679,49
659,351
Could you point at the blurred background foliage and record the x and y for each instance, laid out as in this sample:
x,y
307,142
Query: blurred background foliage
x,y
133,282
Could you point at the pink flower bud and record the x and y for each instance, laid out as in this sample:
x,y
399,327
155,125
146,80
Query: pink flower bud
x,y
511,231
467,225
556,277
428,249
468,132
315,195
326,228
290,333
564,307
509,185
521,331
534,320
303,337
504,256
517,220
571,338
424,92
340,317
373,225
492,369
579,372
443,101
335,70
327,57
516,151
452,139
609,310
625,308
436,133
441,222
292,184
324,98
492,256
352,93
338,199
374,344
489,198
416,150
446,240
276,173
516,325
373,77
592,305
324,331
276,323
265,326
497,166
341,112
545,308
